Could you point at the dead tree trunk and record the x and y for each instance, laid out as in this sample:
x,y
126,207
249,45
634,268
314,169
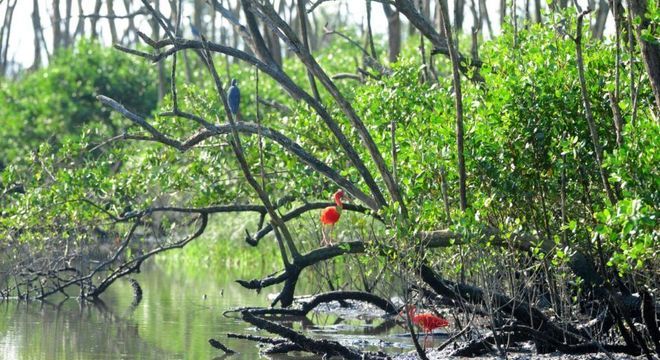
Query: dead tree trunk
x,y
453,55
393,32
57,26
5,33
598,27
130,29
95,19
502,12
483,13
198,12
36,26
155,33
593,130
80,26
273,43
537,11
111,21
459,15
66,33
650,50
302,18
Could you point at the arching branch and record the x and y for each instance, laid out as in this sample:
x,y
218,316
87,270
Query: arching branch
x,y
299,211
247,128
283,79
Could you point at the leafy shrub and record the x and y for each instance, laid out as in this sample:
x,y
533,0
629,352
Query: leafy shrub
x,y
54,103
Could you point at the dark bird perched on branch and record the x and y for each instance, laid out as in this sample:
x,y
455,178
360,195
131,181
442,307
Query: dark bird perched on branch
x,y
193,29
234,97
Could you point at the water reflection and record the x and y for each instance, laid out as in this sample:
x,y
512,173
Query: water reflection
x,y
177,316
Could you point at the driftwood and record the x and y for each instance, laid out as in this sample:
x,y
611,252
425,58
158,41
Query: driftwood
x,y
293,341
259,339
327,297
319,347
276,346
283,348
218,345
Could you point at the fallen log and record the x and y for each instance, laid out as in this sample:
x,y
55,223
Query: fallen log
x,y
586,347
485,345
522,311
430,239
319,347
282,348
319,299
218,345
259,339
649,315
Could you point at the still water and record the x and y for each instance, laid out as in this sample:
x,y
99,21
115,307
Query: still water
x,y
177,316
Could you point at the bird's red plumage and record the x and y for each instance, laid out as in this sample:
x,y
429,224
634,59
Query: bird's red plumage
x,y
428,322
330,215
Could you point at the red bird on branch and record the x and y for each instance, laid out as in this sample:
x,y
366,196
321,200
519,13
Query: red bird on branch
x,y
428,322
329,217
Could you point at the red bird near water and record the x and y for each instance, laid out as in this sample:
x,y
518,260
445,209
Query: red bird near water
x,y
428,322
330,215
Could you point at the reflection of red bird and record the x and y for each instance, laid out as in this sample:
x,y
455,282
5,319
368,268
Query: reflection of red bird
x,y
329,217
428,322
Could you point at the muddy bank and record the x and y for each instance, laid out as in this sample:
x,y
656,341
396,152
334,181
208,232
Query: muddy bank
x,y
383,333
512,355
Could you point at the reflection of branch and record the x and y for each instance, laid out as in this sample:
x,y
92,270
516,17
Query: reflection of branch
x,y
82,279
134,264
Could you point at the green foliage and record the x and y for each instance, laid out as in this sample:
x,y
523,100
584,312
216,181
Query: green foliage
x,y
529,155
651,33
527,141
53,104
632,226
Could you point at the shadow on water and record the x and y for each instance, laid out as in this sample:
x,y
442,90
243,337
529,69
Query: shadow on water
x,y
177,316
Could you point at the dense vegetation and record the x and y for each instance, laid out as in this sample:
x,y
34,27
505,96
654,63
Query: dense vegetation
x,y
84,186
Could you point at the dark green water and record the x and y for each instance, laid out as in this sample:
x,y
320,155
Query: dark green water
x,y
173,321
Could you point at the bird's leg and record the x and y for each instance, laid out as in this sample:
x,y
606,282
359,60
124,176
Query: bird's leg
x,y
327,235
332,228
324,240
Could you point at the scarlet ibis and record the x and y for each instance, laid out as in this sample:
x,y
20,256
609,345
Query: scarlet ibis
x,y
234,97
330,215
428,322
